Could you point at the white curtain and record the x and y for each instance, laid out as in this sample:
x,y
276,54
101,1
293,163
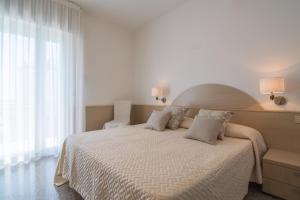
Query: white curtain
x,y
40,78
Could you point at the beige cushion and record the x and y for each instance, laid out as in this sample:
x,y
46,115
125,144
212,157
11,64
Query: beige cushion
x,y
186,122
205,129
177,116
158,120
216,114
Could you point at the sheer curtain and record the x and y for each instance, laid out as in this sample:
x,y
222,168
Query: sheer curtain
x,y
40,78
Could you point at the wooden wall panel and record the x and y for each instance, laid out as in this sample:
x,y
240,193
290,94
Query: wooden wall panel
x,y
96,116
278,128
141,113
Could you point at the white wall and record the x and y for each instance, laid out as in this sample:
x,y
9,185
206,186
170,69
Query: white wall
x,y
232,42
107,61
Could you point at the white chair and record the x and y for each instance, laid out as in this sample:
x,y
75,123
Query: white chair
x,y
122,110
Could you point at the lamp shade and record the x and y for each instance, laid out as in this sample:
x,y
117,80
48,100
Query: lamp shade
x,y
272,85
157,92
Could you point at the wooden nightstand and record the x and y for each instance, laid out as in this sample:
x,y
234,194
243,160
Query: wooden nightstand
x,y
281,174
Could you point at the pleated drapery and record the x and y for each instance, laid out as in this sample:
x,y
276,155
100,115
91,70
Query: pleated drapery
x,y
40,78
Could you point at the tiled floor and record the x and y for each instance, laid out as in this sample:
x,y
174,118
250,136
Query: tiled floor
x,y
35,182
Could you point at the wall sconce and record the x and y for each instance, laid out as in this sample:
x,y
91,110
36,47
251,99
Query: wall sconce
x,y
273,86
158,93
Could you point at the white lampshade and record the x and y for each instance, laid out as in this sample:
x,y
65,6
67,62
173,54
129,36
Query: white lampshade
x,y
272,85
157,92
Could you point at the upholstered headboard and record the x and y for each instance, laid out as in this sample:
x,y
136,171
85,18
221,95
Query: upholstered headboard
x,y
216,96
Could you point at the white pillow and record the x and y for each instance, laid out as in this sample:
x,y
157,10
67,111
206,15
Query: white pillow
x,y
240,131
186,122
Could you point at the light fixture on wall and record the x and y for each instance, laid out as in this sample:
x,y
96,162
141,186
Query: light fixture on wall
x,y
272,86
159,94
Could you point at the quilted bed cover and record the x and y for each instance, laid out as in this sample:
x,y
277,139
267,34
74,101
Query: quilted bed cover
x,y
137,163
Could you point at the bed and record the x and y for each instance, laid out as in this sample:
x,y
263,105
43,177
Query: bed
x,y
136,163
133,163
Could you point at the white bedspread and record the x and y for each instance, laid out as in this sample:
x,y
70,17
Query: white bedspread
x,y
135,163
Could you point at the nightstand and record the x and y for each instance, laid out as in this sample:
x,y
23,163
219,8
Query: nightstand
x,y
281,174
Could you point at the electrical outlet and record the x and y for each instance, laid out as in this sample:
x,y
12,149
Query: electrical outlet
x,y
297,119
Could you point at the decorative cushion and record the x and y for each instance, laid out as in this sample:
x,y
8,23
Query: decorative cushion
x,y
186,122
191,112
205,129
158,120
216,114
177,116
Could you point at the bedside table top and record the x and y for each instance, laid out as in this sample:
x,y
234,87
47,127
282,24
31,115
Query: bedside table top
x,y
283,158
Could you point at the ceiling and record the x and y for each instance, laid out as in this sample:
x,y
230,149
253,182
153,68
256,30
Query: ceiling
x,y
131,13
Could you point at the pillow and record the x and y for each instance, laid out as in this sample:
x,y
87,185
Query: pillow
x,y
176,117
240,131
158,120
191,112
205,129
226,115
186,122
